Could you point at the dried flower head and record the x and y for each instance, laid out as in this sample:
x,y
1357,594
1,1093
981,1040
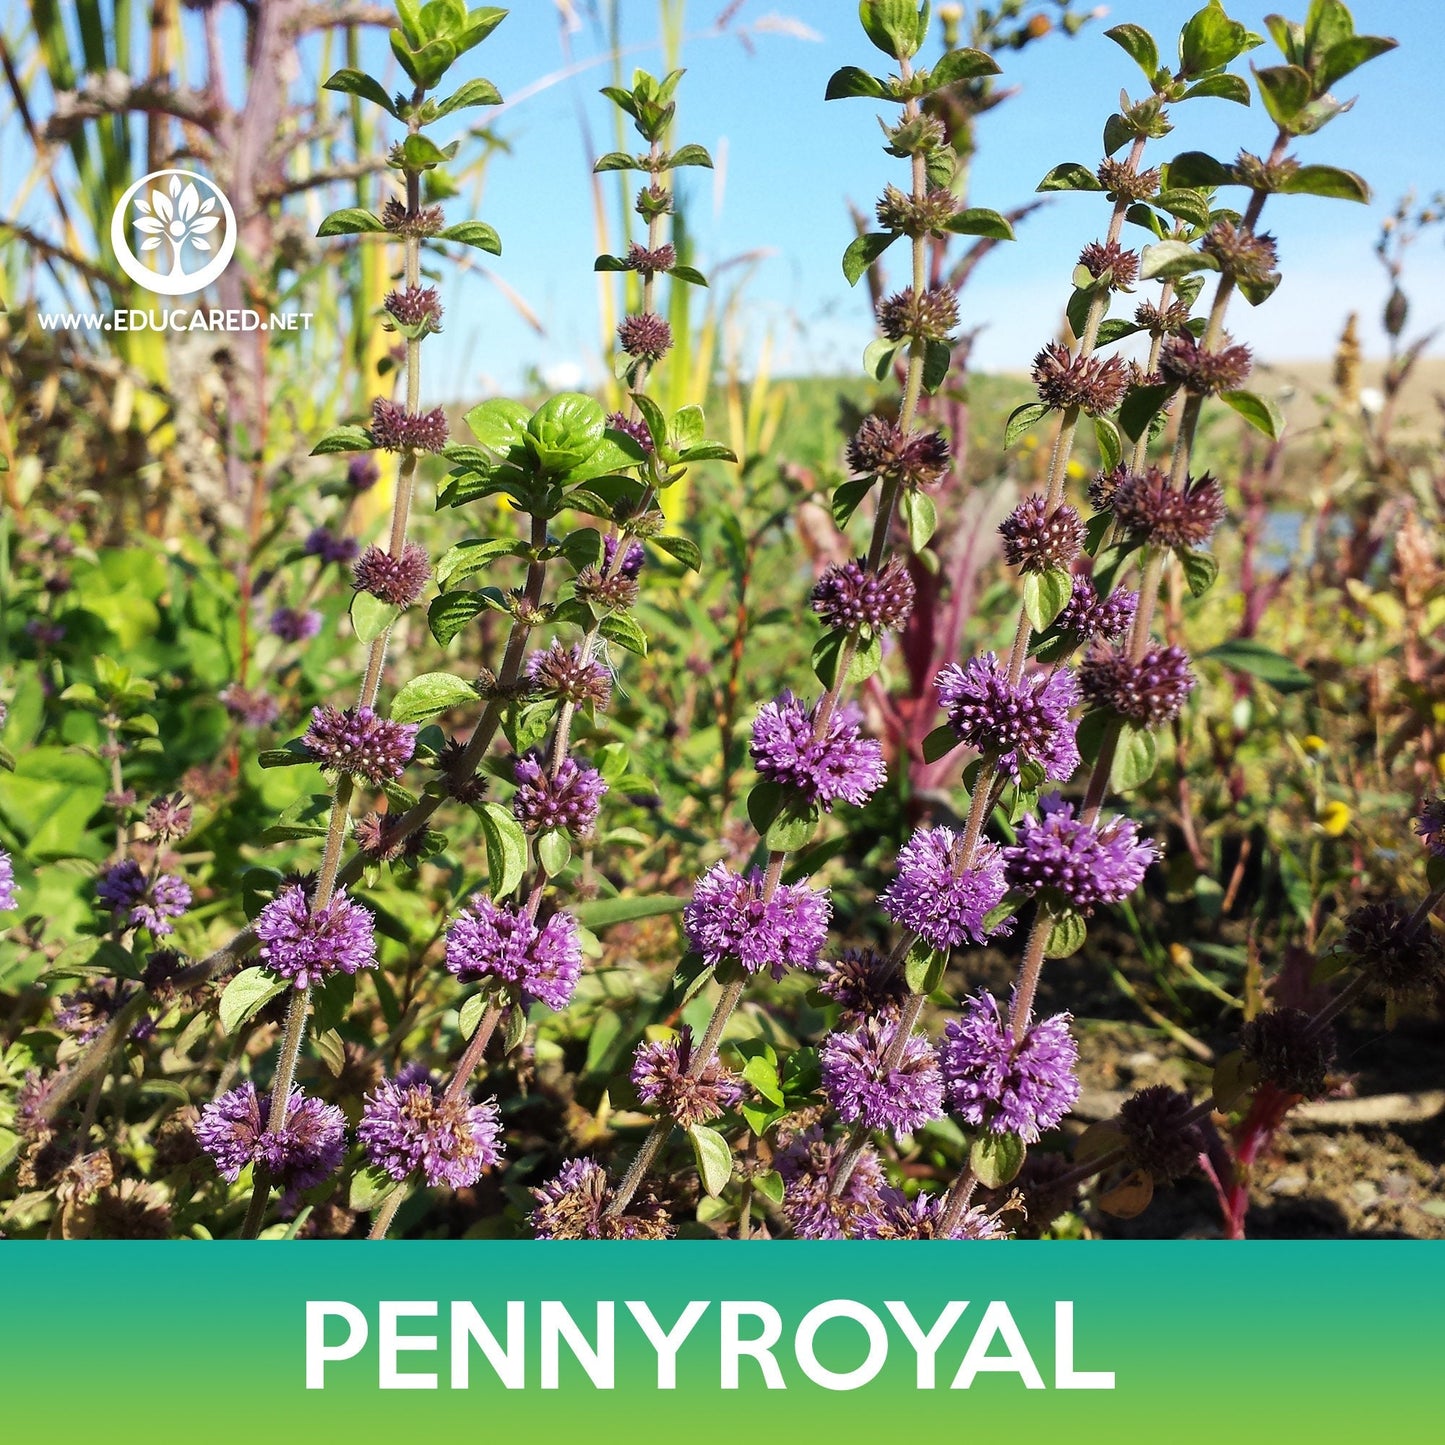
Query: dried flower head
x,y
408,1124
1249,258
1147,693
573,1205
1261,175
401,222
1077,864
729,918
1123,183
1167,320
646,336
1109,258
1183,361
381,837
169,817
360,744
415,306
132,1209
648,263
893,1215
1015,722
863,1090
397,580
1288,1052
879,448
1150,509
822,763
459,777
1158,1133
1094,384
863,983
897,210
945,904
395,429
912,316
308,945
1402,955
1000,1082
849,596
662,1073
809,1164
1036,539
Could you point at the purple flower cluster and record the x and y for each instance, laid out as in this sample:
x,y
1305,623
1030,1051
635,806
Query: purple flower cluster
x,y
633,557
864,1091
567,799
494,942
1015,722
788,749
291,624
728,918
893,1215
573,1205
850,596
304,1152
398,580
359,743
408,1125
1147,693
808,1165
996,1081
661,1072
1082,864
1430,825
946,906
250,707
1086,615
562,672
307,945
140,902
7,883
329,546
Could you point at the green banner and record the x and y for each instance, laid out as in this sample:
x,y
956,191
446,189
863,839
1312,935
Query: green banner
x,y
341,1342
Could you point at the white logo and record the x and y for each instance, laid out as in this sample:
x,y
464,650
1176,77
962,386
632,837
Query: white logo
x,y
178,214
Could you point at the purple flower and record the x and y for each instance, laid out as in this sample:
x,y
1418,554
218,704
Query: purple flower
x,y
1147,693
633,558
1430,825
728,918
307,945
407,1124
863,1091
497,943
562,672
290,624
809,1165
1087,615
329,547
850,596
7,883
359,743
1015,722
661,1073
839,764
1080,863
862,982
573,1205
894,1216
568,799
395,429
944,906
124,889
251,709
1000,1083
398,580
303,1153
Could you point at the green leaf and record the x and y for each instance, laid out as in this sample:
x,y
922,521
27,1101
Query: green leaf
x,y
354,82
471,1013
1070,176
506,848
1285,91
1111,445
370,1187
1021,419
863,662
618,627
426,696
924,967
896,27
864,251
1140,408
351,221
690,155
852,81
1067,932
499,424
554,850
1220,87
604,912
1259,411
762,1073
684,549
331,1002
248,992
1200,569
1045,595
1331,181
1195,169
979,221
371,617
785,820
618,161
920,516
1210,39
878,357
939,743
689,274
770,1186
1245,655
714,1158
1346,55
1139,45
1185,203
1117,132
1135,757
937,358
473,233
849,496
451,612
422,153
962,64
997,1158
474,554
344,439
1169,260
472,92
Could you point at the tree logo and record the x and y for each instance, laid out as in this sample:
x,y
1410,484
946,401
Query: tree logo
x,y
187,229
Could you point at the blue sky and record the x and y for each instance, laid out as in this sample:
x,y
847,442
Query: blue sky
x,y
791,163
